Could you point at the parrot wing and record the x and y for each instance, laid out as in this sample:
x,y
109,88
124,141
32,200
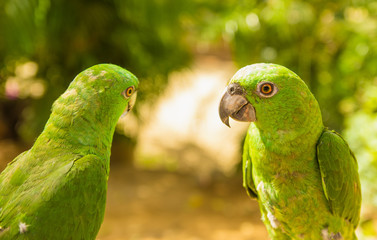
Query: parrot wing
x,y
340,179
248,181
70,196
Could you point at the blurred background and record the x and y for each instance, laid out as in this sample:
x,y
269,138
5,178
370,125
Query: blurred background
x,y
175,168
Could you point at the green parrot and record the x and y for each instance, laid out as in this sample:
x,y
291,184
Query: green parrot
x,y
304,176
57,189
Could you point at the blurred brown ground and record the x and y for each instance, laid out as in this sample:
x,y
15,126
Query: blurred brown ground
x,y
154,205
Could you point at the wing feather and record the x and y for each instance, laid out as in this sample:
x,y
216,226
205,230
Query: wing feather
x,y
54,198
248,182
340,178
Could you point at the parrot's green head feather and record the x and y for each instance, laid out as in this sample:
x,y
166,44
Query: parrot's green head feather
x,y
88,111
104,90
271,96
84,117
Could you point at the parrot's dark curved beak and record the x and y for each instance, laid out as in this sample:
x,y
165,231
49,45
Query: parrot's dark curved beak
x,y
132,101
130,104
234,104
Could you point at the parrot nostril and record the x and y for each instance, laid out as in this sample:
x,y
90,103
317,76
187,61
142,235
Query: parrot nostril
x,y
231,90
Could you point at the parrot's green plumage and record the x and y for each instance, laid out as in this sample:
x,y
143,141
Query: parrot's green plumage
x,y
304,176
57,189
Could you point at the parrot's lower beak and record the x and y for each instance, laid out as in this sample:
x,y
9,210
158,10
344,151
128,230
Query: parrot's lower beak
x,y
234,104
130,104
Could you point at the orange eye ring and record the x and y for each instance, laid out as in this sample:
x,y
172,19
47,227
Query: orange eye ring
x,y
129,91
266,88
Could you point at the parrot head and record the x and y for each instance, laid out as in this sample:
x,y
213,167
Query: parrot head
x,y
88,111
104,90
271,96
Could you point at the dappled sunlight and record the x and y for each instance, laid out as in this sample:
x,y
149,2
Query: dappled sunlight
x,y
25,84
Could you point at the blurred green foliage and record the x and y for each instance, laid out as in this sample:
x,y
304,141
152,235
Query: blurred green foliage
x,y
361,132
331,45
60,39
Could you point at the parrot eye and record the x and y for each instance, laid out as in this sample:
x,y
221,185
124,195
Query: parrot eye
x,y
266,89
129,91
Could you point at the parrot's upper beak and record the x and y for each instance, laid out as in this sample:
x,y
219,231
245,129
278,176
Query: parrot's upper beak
x,y
131,103
234,104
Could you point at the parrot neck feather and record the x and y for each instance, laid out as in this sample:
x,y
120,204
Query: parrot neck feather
x,y
87,132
